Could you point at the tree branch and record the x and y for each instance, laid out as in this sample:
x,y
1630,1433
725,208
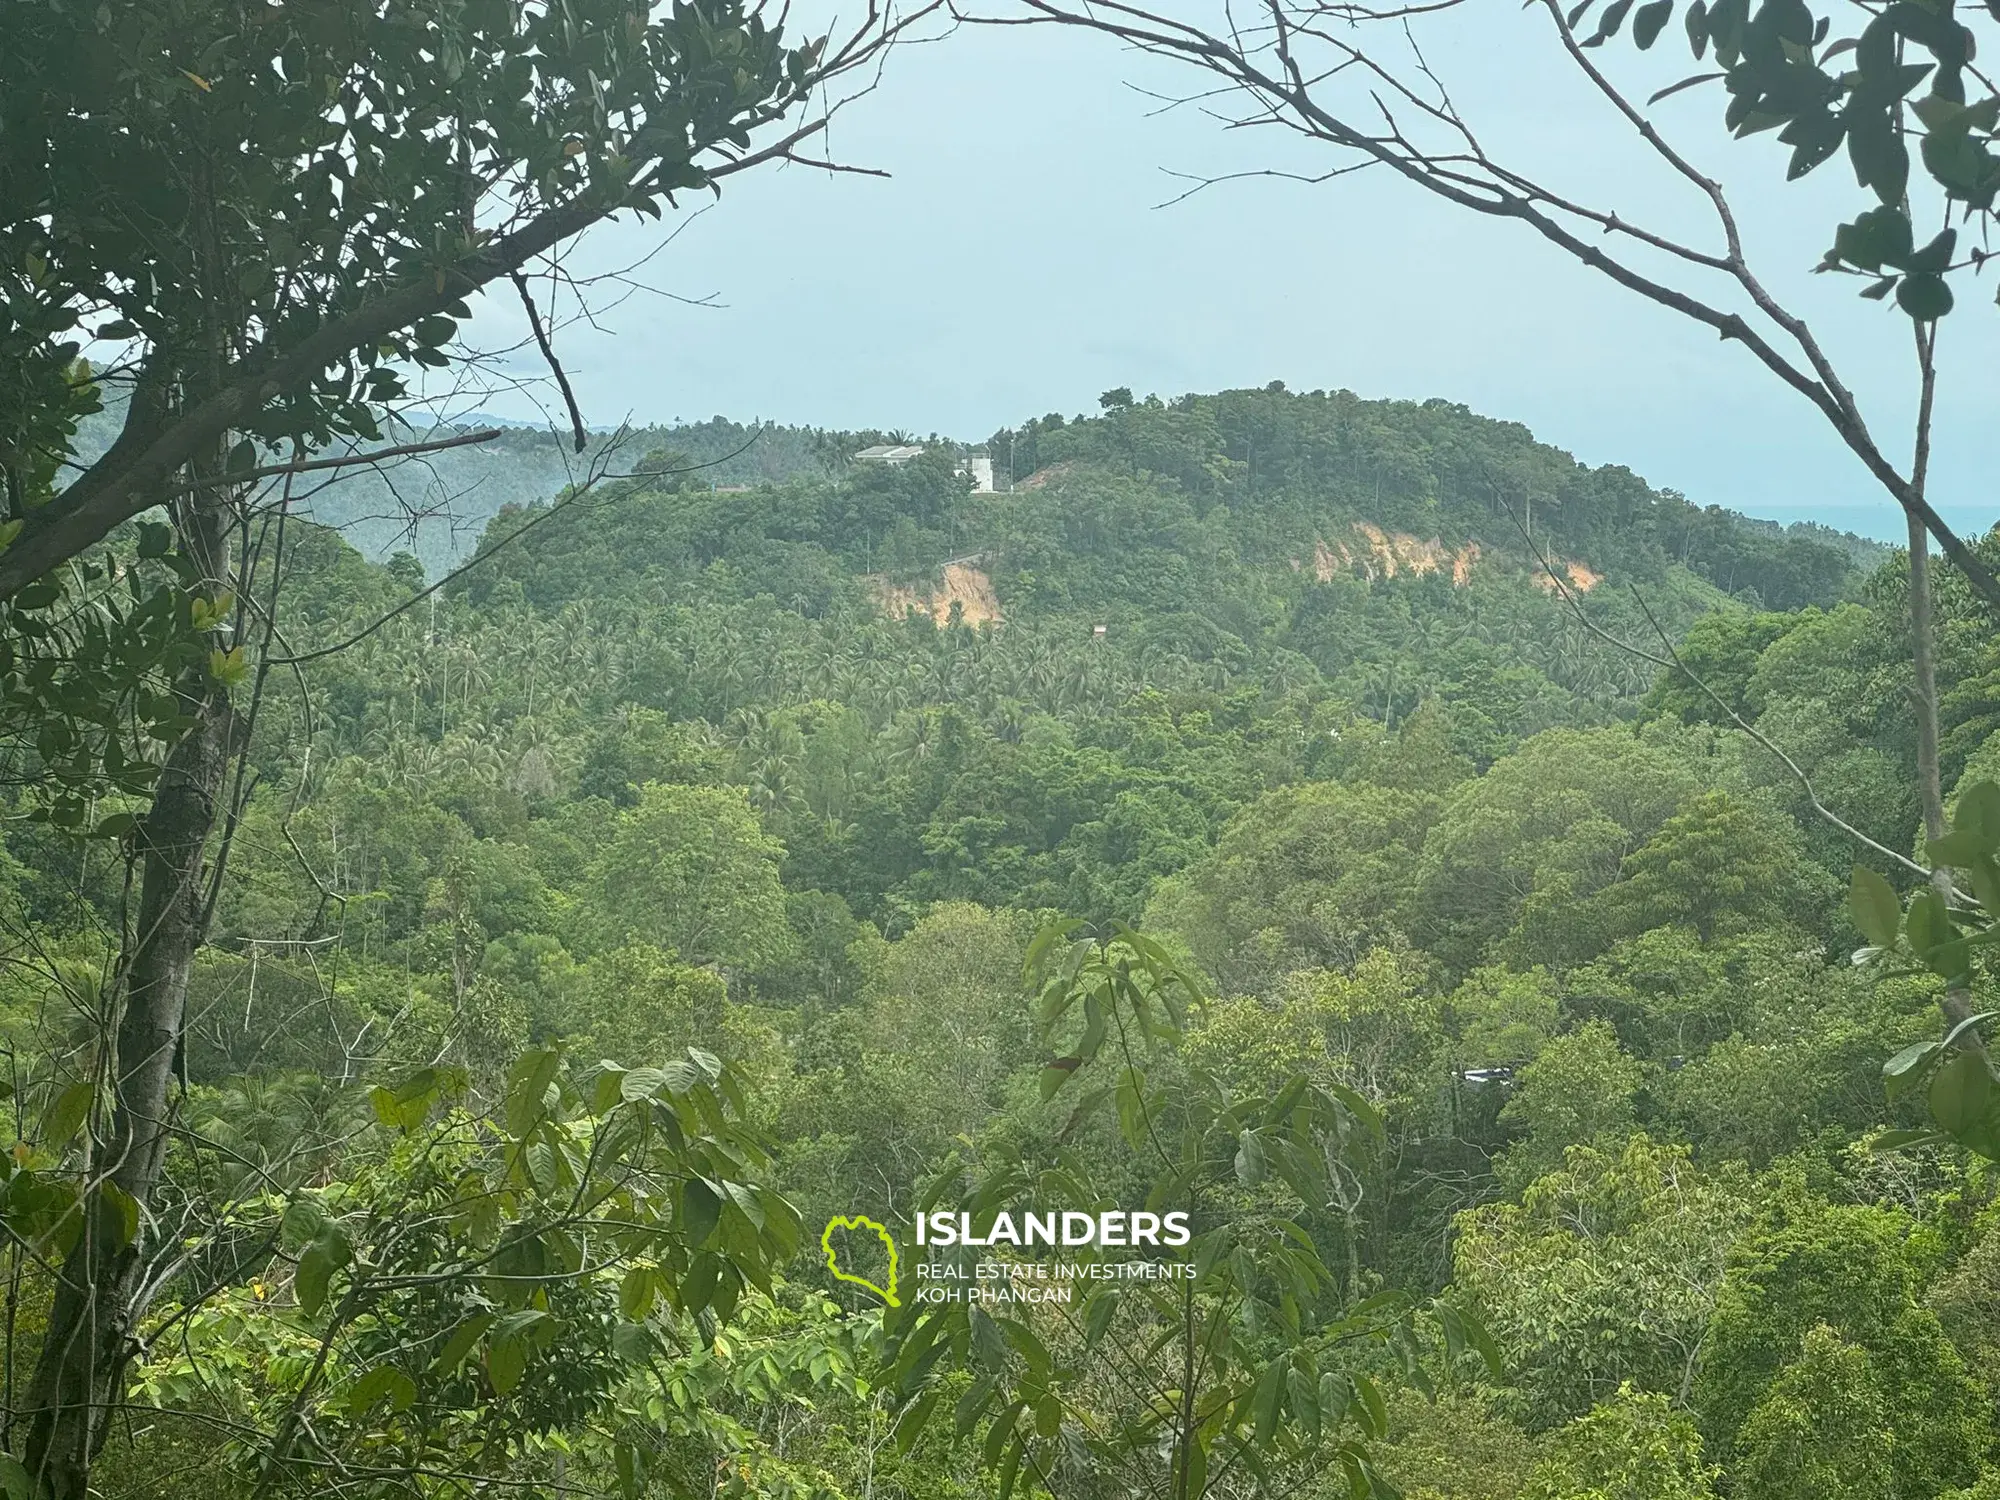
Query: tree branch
x,y
1283,93
549,354
158,441
348,460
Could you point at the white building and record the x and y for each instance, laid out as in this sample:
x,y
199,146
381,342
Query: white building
x,y
980,468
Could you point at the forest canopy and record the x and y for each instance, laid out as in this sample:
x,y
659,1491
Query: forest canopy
x,y
683,879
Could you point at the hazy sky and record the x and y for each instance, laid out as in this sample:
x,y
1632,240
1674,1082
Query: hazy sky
x,y
1018,261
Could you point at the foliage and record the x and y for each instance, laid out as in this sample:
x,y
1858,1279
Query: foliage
x,y
676,777
1259,1325
1635,1446
1822,1425
1960,1084
1779,67
1854,1270
1604,1276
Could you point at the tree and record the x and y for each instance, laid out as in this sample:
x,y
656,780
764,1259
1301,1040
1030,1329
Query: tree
x,y
261,204
1540,832
1309,874
1718,865
1851,1269
1604,1274
1635,1446
689,869
274,213
1822,1429
464,1281
1580,1090
1354,79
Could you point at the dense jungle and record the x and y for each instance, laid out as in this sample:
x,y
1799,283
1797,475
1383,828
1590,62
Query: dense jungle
x,y
791,775
1255,945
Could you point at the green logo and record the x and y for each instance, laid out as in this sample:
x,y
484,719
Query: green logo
x,y
860,1221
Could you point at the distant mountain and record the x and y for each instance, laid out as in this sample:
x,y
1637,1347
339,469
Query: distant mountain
x,y
1294,469
436,506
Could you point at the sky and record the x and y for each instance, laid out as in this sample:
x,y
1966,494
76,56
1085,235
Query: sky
x,y
1022,256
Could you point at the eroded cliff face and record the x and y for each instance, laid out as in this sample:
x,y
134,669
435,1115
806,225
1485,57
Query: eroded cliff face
x,y
964,585
1376,553
1388,554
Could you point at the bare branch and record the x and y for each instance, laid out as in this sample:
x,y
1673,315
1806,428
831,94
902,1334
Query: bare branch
x,y
346,460
555,365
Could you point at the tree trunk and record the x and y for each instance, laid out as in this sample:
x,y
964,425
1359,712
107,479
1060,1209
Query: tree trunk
x,y
1930,789
79,1377
1956,1003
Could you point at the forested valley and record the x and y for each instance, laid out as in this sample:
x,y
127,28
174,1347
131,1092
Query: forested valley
x,y
1456,935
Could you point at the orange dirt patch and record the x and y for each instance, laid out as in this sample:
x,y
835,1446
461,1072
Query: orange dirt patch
x,y
1044,476
967,587
1582,577
1384,554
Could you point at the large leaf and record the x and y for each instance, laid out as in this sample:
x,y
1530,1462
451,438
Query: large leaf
x,y
1872,902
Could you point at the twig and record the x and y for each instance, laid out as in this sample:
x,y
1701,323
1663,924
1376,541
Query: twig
x,y
549,354
342,461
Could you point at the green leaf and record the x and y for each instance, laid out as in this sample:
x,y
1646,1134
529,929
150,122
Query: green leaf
x,y
1897,1140
972,1405
121,1213
1010,1467
1936,256
1696,23
1977,815
1650,20
635,1293
1608,24
1057,1073
115,826
506,1363
528,1088
910,1424
1131,1096
1103,1306
987,1344
66,1116
461,1342
635,1343
641,1083
1880,237
329,1251
1962,1093
15,1481
1249,1158
1482,1340
384,1383
1872,902
228,667
999,1432
1928,922
1377,1422
1267,1401
700,1211
1924,295
1903,1070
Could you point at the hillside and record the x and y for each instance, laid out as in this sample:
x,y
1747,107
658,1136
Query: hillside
x,y
434,507
791,775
